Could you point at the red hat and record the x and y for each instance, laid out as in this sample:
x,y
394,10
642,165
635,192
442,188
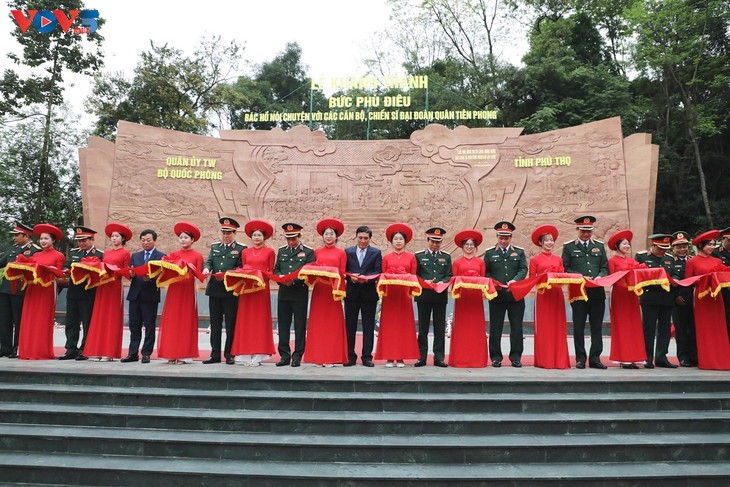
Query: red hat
x,y
261,225
394,228
22,228
467,234
544,230
332,223
181,227
120,228
585,222
228,224
81,233
47,228
708,235
617,237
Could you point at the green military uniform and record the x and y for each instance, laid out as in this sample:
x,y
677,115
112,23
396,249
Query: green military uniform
x,y
587,258
683,311
222,303
292,300
436,267
79,301
11,303
505,265
657,305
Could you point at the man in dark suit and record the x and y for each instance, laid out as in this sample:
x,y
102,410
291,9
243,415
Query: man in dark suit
x,y
79,301
224,256
144,298
434,266
362,260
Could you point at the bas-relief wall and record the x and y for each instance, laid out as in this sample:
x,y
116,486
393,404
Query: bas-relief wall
x,y
460,178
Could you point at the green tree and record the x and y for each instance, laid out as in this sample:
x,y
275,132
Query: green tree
x,y
49,56
169,89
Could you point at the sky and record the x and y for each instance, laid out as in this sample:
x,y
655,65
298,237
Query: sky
x,y
334,35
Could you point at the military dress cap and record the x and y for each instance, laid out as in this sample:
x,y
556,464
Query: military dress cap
x,y
81,233
292,229
261,225
49,229
708,235
332,223
679,238
544,230
436,234
21,228
228,224
504,229
394,228
467,234
725,232
120,228
620,236
585,222
661,240
189,228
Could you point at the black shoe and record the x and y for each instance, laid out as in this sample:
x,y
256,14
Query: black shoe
x,y
295,362
13,355
597,365
666,364
282,362
349,363
686,363
130,358
368,363
69,356
496,363
5,354
212,360
648,365
145,359
440,363
516,364
419,363
81,357
629,366
580,364
230,360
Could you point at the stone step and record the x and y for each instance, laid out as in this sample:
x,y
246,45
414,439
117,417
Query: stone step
x,y
376,401
357,423
449,381
92,470
428,449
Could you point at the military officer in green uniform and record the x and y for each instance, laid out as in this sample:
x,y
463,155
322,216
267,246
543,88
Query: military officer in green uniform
x,y
434,266
657,304
587,256
683,311
11,302
79,301
722,252
506,263
223,305
293,295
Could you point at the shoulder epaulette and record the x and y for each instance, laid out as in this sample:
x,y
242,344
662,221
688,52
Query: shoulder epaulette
x,y
307,247
642,252
36,246
283,246
568,242
596,240
216,242
521,248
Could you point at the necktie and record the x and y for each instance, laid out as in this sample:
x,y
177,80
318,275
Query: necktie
x,y
360,256
585,246
146,256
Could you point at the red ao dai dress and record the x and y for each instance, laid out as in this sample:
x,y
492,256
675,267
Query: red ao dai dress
x,y
627,333
39,308
468,346
254,334
397,334
551,329
326,334
178,338
713,347
107,320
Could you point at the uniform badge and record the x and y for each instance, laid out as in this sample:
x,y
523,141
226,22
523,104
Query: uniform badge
x,y
596,250
513,254
234,252
301,254
442,259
